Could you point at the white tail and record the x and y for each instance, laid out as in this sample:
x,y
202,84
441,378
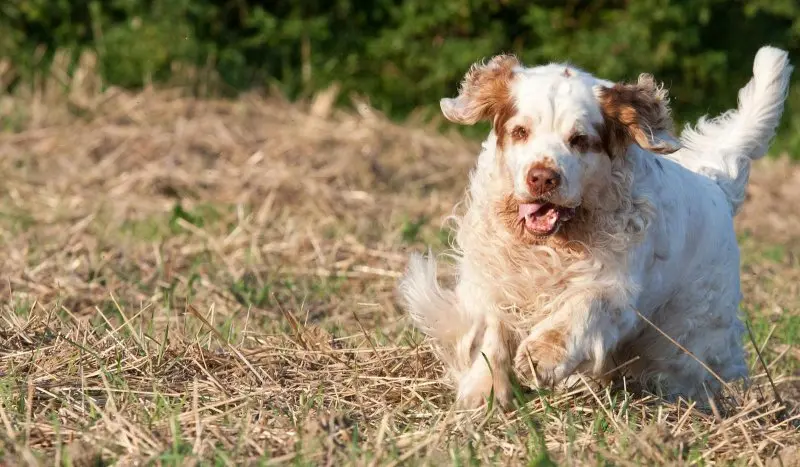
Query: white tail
x,y
726,145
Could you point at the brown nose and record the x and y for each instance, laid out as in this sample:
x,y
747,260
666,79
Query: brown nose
x,y
542,180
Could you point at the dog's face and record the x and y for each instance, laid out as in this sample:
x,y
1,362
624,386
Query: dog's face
x,y
558,129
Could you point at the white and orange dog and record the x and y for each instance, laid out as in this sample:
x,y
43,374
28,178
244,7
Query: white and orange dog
x,y
584,216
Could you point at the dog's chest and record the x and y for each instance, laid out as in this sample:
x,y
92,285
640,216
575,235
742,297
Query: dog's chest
x,y
530,278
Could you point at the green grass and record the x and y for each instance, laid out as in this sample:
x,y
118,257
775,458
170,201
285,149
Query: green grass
x,y
255,320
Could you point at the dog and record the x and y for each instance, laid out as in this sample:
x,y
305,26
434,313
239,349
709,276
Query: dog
x,y
595,242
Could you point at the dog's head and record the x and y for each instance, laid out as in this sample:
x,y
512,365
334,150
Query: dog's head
x,y
558,130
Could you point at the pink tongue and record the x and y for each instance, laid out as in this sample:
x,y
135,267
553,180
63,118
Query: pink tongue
x,y
526,210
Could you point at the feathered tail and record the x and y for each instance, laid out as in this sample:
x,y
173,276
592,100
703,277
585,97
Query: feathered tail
x,y
727,145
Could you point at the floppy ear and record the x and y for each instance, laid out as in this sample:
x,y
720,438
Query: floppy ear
x,y
483,93
636,113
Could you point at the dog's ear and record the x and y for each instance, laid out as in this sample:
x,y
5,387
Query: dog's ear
x,y
636,113
484,92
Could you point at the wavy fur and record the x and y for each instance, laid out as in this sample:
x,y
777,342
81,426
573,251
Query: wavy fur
x,y
653,235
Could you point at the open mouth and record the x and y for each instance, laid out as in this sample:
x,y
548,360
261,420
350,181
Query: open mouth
x,y
544,218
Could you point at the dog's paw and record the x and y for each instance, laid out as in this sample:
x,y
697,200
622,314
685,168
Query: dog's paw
x,y
541,359
477,386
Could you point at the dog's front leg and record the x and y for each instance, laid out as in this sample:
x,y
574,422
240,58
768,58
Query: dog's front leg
x,y
583,330
490,346
485,354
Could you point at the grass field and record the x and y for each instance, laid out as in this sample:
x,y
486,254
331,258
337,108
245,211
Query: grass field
x,y
199,281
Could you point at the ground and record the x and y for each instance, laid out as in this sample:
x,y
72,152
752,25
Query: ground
x,y
196,280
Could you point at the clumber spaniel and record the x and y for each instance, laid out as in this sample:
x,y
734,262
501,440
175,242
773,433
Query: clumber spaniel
x,y
590,233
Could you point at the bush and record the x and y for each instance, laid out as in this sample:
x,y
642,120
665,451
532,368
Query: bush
x,y
406,54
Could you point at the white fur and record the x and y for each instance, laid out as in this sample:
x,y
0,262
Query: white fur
x,y
667,249
573,108
731,141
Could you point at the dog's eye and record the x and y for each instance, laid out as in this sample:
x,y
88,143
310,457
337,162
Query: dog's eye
x,y
579,142
519,133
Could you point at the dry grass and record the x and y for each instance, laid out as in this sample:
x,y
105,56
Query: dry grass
x,y
214,281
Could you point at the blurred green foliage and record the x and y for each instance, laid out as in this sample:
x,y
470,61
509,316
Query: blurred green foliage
x,y
406,54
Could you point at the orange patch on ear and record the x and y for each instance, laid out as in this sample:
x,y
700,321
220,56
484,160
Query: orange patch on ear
x,y
635,113
484,94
